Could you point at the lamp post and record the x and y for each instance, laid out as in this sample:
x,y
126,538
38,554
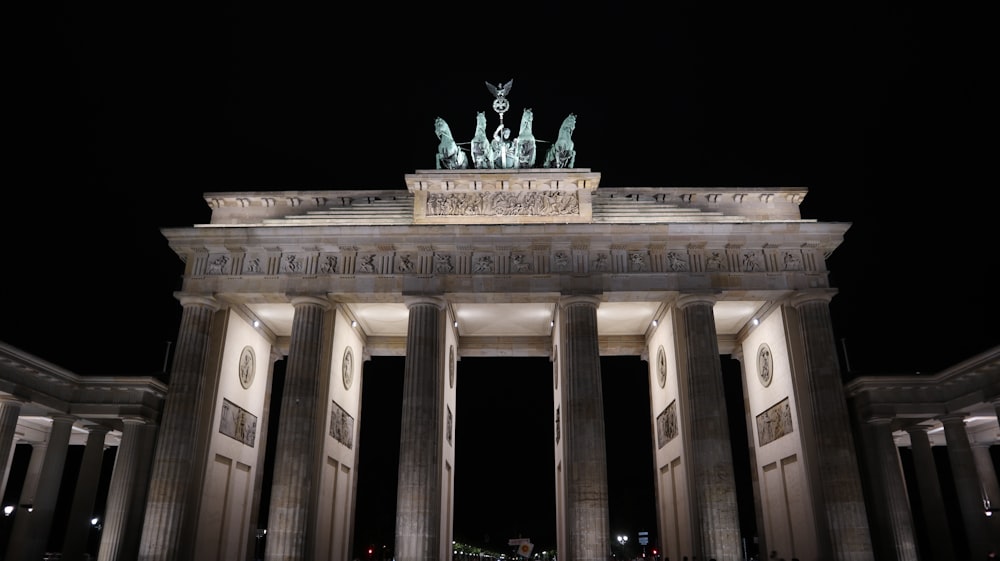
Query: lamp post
x,y
623,539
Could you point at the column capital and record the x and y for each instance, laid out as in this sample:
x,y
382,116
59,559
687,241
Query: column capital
x,y
421,299
917,429
306,299
809,296
62,418
12,399
951,418
880,419
574,299
187,299
690,298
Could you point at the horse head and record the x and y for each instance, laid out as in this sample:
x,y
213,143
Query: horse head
x,y
526,118
481,122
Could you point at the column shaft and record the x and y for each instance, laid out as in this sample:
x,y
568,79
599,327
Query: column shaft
x,y
967,486
710,466
294,480
588,529
78,527
126,493
991,491
418,499
30,535
839,488
931,499
894,510
168,508
10,410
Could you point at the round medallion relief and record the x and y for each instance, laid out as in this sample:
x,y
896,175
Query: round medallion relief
x,y
765,364
247,366
348,368
451,366
661,367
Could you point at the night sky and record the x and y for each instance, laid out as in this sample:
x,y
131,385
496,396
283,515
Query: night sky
x,y
125,115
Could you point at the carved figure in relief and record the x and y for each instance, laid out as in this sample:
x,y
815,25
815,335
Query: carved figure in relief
x,y
484,264
292,264
750,263
329,264
253,265
638,261
600,263
561,261
449,155
480,147
792,262
367,264
442,264
520,263
676,261
405,264
219,265
714,262
562,154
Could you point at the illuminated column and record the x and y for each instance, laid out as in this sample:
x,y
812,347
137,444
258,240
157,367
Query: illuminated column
x,y
931,500
585,459
293,483
894,508
838,488
10,409
990,491
715,514
30,534
418,498
78,526
126,493
751,440
169,506
967,487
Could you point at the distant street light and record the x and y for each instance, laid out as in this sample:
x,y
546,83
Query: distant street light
x,y
622,539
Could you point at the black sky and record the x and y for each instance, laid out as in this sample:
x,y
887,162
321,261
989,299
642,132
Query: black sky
x,y
124,115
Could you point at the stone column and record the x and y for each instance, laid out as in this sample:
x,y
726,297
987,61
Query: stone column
x,y
10,410
967,487
896,527
294,482
418,498
168,507
991,491
838,488
78,526
716,521
931,499
31,530
751,445
588,529
126,493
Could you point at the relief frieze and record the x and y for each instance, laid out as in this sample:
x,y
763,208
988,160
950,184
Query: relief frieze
x,y
504,203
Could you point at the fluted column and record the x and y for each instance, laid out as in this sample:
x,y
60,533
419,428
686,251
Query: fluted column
x,y
931,500
418,495
751,445
588,532
990,489
78,525
126,493
716,520
840,494
168,505
896,527
967,487
31,529
10,410
294,480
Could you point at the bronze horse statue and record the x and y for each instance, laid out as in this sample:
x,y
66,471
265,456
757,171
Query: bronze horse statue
x,y
480,147
524,145
449,154
562,154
